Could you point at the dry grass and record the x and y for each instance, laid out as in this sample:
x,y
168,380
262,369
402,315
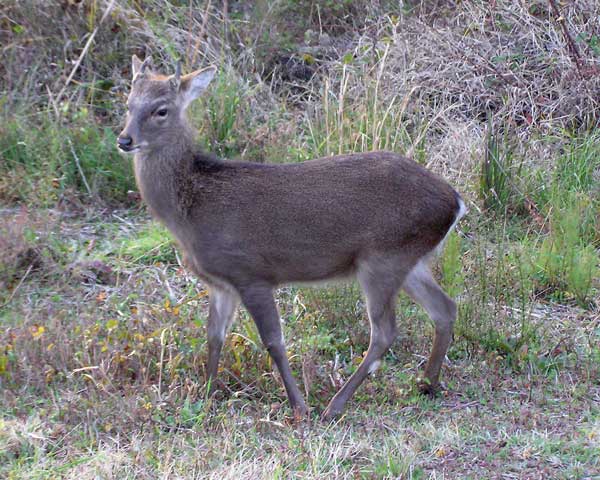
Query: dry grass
x,y
506,59
533,69
509,437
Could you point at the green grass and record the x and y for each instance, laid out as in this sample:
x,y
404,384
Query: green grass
x,y
566,260
46,161
353,115
222,110
499,169
153,243
411,443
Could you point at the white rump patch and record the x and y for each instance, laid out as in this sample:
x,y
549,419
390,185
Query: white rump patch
x,y
462,210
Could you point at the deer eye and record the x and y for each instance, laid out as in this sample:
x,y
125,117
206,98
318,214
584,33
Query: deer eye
x,y
162,112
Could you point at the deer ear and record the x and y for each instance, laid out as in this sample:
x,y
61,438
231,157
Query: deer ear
x,y
136,64
193,84
138,67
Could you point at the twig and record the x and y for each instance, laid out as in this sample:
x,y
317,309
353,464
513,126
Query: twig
x,y
87,186
85,369
225,18
421,135
53,102
457,406
508,79
202,30
84,51
575,55
161,361
12,295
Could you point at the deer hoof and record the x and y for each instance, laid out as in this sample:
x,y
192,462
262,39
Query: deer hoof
x,y
300,414
331,413
426,387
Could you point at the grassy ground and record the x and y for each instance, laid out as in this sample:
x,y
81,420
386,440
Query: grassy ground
x,y
102,333
103,347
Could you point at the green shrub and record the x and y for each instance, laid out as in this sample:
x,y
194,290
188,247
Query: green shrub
x,y
575,168
566,263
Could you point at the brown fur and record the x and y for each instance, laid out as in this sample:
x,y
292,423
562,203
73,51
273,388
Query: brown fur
x,y
247,228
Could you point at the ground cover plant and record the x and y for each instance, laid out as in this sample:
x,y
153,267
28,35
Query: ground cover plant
x,y
102,332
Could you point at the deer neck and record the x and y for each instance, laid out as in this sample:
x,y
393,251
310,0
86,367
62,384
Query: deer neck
x,y
159,174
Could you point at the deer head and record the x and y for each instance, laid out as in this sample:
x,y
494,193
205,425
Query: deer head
x,y
156,106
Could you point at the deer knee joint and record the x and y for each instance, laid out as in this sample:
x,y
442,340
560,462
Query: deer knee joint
x,y
217,337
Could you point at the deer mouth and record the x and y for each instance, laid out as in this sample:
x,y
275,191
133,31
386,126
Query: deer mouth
x,y
129,148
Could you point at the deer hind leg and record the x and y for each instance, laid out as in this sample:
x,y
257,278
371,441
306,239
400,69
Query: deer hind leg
x,y
424,290
380,290
222,305
261,305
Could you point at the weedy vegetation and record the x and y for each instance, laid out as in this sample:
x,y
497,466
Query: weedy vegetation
x,y
102,331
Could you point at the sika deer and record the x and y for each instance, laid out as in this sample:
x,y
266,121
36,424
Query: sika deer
x,y
247,228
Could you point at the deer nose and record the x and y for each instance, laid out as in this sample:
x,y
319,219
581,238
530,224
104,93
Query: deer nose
x,y
124,142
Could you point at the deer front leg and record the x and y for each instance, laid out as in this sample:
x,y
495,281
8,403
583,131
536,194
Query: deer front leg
x,y
261,305
222,306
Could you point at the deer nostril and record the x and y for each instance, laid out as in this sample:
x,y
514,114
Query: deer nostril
x,y
124,141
